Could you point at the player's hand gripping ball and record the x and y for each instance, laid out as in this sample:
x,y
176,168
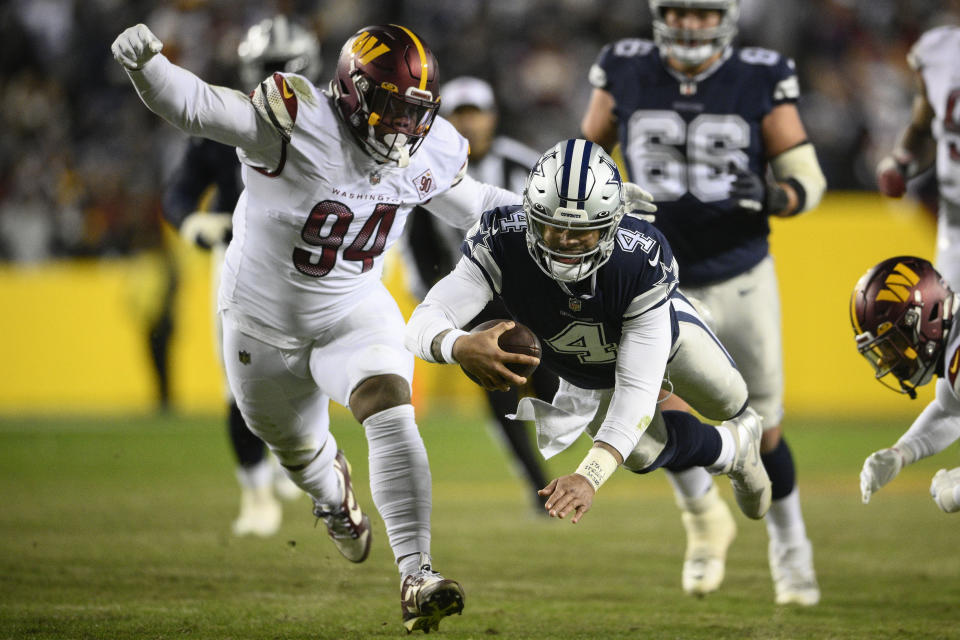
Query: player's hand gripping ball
x,y
517,340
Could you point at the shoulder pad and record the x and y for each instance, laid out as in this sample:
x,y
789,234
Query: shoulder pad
x,y
781,71
760,56
632,47
276,101
931,43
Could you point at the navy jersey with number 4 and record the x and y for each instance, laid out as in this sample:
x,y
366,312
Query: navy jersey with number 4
x,y
679,135
579,333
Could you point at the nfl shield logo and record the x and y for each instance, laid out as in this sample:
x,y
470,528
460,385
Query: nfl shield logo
x,y
375,178
574,304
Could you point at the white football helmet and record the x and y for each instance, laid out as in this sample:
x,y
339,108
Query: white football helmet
x,y
694,46
278,44
574,185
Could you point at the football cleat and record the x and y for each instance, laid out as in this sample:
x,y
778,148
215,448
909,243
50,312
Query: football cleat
x,y
426,597
751,485
347,525
794,580
260,513
710,531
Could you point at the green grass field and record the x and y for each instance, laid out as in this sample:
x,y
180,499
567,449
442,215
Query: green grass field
x,y
119,529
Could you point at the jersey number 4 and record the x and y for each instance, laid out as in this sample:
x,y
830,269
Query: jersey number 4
x,y
327,226
587,341
711,142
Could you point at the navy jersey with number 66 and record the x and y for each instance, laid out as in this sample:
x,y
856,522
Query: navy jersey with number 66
x,y
579,333
679,135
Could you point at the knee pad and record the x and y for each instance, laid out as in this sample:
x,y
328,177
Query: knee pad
x,y
651,445
295,459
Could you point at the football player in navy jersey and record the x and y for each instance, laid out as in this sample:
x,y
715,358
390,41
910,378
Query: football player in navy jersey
x,y
699,123
273,44
598,287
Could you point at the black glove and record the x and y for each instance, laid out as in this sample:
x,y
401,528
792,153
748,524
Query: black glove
x,y
751,192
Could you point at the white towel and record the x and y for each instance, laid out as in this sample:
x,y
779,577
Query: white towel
x,y
560,424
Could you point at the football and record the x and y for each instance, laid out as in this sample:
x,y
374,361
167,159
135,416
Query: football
x,y
517,340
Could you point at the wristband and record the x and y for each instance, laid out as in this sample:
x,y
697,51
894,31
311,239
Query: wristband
x,y
446,345
597,466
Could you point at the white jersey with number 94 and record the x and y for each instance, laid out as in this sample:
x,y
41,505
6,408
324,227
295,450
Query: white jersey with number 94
x,y
310,233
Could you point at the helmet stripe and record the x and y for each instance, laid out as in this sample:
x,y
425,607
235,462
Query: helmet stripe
x,y
853,314
424,65
584,167
565,179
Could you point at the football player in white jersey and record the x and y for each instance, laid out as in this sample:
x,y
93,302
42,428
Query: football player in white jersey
x,y
700,123
273,44
904,318
933,136
330,177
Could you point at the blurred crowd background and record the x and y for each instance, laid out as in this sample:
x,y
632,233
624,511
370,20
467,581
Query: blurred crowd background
x,y
82,163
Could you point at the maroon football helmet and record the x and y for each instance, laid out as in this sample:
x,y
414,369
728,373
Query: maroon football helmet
x,y
385,90
901,311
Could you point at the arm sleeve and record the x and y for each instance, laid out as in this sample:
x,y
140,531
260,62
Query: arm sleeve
x,y
463,203
937,426
641,361
201,109
450,304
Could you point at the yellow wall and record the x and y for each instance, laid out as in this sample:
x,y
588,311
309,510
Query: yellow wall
x,y
74,336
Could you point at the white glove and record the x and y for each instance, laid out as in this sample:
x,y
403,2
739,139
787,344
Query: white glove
x,y
638,199
207,229
945,490
135,46
878,469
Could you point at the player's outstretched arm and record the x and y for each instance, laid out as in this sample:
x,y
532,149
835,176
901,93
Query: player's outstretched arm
x,y
945,490
136,46
450,304
879,469
462,204
189,103
574,493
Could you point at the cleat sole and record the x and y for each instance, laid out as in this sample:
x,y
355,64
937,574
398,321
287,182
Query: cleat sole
x,y
439,605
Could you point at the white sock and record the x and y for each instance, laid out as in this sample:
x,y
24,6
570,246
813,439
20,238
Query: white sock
x,y
400,479
785,520
318,478
728,449
690,483
257,476
412,563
